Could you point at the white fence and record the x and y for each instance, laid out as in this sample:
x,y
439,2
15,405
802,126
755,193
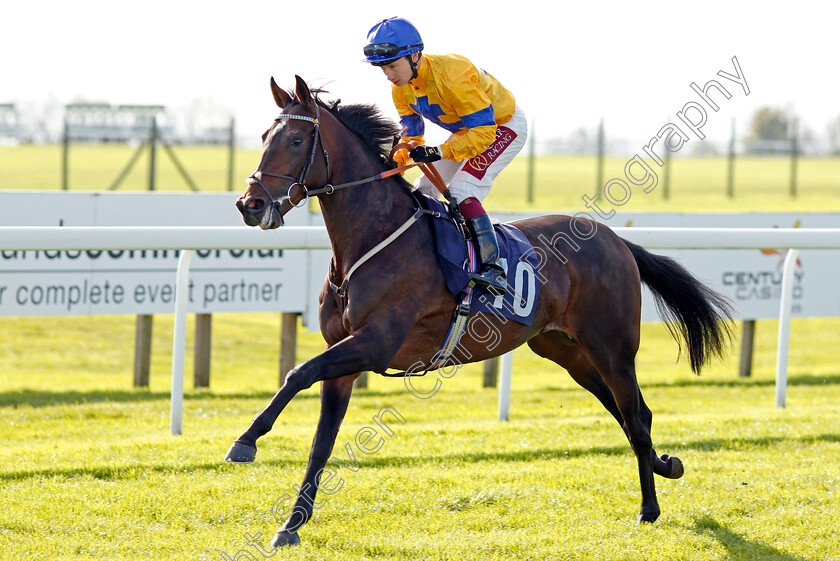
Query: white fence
x,y
190,239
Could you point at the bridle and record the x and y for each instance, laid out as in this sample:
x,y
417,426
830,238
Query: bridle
x,y
341,290
328,189
300,181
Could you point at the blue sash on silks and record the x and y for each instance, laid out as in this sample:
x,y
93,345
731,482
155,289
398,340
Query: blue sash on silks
x,y
516,255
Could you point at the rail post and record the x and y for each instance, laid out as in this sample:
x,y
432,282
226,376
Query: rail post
x,y
784,326
65,156
152,149
794,155
179,338
143,350
231,153
730,167
531,159
506,370
599,181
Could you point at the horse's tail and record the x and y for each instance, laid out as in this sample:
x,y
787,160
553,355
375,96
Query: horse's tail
x,y
691,310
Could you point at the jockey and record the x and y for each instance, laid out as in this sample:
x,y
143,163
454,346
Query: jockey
x,y
487,128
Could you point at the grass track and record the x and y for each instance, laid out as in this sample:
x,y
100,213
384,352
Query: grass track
x,y
88,469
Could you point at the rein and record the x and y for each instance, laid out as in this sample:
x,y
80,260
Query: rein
x,y
329,189
462,310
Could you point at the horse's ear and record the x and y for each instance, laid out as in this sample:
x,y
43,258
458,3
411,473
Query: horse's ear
x,y
302,92
281,96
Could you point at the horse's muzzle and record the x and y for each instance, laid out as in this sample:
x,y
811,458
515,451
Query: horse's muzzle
x,y
257,212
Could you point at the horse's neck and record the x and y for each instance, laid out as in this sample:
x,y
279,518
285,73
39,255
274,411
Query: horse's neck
x,y
357,218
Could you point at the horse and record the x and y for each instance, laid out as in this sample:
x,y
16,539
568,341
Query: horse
x,y
375,315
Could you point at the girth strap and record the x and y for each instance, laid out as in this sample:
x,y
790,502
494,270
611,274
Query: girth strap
x,y
457,325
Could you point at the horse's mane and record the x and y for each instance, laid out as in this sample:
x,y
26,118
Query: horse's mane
x,y
367,122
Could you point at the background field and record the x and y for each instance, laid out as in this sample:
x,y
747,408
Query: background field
x,y
90,471
696,184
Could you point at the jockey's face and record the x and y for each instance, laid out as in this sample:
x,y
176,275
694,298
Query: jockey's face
x,y
399,71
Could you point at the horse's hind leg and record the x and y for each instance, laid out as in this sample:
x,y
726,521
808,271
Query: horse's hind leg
x,y
589,378
614,361
664,465
560,349
335,395
620,395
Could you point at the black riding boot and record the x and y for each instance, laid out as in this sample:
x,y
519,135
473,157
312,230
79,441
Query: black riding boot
x,y
491,275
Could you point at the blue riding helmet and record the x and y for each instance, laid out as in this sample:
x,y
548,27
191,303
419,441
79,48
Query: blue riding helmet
x,y
391,39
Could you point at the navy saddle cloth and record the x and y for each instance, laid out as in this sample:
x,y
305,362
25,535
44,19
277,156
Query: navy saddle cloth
x,y
517,256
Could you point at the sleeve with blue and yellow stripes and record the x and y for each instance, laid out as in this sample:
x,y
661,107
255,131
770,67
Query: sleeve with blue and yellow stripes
x,y
413,126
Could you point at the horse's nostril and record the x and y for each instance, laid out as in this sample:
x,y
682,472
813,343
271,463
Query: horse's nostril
x,y
250,205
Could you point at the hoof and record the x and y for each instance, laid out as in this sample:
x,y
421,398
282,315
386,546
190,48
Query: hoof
x,y
241,453
648,517
284,538
676,469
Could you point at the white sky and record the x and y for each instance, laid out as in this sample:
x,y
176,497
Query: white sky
x,y
569,64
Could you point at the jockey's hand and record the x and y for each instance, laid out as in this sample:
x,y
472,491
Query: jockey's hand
x,y
401,158
454,210
425,154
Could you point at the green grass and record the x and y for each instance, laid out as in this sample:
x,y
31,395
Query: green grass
x,y
695,185
88,469
762,184
95,167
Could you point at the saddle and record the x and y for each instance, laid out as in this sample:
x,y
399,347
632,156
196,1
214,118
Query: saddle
x,y
457,258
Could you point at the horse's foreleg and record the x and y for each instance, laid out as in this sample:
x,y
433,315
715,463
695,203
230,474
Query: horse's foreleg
x,y
356,353
244,449
335,395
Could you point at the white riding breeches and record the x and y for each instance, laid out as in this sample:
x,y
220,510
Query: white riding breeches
x,y
474,177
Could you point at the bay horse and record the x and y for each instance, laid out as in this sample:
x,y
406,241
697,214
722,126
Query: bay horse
x,y
396,308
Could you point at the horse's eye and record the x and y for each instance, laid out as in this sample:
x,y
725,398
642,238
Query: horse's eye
x,y
297,141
